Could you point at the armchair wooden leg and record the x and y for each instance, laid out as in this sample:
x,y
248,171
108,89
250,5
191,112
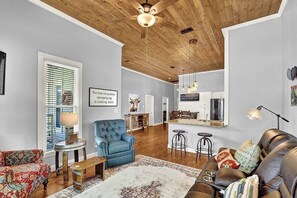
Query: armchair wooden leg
x,y
45,184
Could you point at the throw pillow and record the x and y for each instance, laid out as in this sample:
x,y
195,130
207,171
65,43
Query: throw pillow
x,y
248,156
226,160
244,188
1,159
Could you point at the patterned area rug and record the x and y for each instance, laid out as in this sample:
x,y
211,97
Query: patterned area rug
x,y
146,177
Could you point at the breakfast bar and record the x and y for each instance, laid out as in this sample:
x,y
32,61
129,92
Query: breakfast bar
x,y
191,128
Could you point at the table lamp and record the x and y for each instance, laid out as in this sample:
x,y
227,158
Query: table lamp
x,y
256,114
69,119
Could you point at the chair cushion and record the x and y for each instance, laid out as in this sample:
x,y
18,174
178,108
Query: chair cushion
x,y
244,188
248,156
28,173
22,157
118,146
226,160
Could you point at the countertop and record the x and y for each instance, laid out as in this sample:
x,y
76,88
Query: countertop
x,y
208,123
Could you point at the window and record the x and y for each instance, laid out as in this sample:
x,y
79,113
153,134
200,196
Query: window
x,y
59,90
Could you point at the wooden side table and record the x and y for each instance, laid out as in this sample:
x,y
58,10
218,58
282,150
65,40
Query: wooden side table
x,y
65,148
78,170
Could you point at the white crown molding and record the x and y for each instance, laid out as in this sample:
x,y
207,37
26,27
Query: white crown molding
x,y
131,70
256,21
204,72
75,21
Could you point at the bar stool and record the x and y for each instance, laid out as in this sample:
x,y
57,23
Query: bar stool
x,y
204,138
178,141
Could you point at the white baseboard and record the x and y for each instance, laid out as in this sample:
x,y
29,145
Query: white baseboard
x,y
191,150
90,155
159,123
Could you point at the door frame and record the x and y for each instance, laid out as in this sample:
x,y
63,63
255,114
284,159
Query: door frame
x,y
152,113
167,108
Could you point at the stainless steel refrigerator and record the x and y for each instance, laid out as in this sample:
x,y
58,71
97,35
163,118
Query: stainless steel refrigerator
x,y
217,109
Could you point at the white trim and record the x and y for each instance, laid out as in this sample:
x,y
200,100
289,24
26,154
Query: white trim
x,y
90,155
159,123
282,7
154,78
43,59
226,79
190,150
218,70
73,20
260,20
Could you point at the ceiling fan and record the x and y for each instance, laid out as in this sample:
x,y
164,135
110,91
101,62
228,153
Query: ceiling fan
x,y
147,15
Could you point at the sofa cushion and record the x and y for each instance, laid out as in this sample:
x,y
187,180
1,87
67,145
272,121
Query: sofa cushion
x,y
248,156
226,176
1,158
226,160
118,146
244,188
271,165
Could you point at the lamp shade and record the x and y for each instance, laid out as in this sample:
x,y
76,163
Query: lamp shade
x,y
254,114
68,119
146,19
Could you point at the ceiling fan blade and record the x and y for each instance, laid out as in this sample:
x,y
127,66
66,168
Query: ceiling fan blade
x,y
136,5
161,5
130,18
165,23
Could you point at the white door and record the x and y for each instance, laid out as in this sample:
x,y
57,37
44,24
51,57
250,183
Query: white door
x,y
165,108
149,108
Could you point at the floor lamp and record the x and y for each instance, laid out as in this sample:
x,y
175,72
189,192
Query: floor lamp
x,y
256,114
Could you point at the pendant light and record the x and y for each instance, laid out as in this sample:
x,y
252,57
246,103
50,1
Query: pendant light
x,y
183,80
194,85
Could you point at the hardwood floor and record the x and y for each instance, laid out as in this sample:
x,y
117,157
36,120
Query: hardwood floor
x,y
152,142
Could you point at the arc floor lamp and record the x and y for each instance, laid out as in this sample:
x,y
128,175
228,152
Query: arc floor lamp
x,y
256,114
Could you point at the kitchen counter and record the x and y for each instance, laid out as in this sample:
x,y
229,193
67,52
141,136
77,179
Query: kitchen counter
x,y
195,122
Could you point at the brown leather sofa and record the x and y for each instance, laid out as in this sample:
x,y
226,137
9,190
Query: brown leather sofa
x,y
277,169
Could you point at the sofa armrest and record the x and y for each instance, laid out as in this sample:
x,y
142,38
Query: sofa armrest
x,y
128,138
22,157
101,145
226,176
101,142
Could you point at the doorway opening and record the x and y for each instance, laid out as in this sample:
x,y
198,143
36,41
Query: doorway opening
x,y
165,109
149,108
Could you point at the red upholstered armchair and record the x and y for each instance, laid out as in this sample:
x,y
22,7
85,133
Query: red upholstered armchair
x,y
21,172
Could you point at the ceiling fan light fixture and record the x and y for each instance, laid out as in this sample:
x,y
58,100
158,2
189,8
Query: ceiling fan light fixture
x,y
146,20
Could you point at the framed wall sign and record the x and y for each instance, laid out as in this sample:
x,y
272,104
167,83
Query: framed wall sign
x,y
2,72
189,97
103,97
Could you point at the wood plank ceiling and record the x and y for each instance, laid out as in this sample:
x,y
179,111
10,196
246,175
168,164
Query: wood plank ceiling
x,y
165,47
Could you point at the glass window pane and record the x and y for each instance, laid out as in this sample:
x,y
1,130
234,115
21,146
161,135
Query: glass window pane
x,y
60,90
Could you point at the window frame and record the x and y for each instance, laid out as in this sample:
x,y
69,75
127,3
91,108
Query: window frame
x,y
43,60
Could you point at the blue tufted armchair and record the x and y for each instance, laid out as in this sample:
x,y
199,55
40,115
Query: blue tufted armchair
x,y
113,142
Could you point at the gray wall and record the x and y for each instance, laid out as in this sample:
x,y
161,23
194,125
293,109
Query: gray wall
x,y
27,29
212,81
255,72
135,83
289,18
